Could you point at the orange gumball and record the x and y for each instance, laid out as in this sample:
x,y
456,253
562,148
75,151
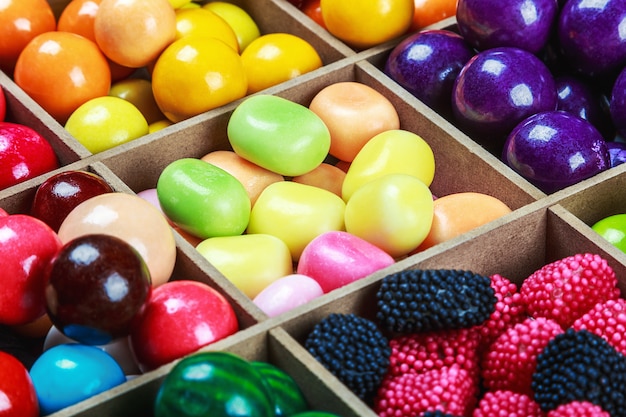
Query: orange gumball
x,y
458,213
78,17
253,177
313,9
353,113
326,176
20,22
134,32
61,71
428,12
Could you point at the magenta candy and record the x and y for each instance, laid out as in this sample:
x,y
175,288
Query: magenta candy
x,y
287,293
337,258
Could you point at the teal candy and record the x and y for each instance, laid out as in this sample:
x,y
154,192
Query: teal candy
x,y
69,373
287,396
216,384
278,134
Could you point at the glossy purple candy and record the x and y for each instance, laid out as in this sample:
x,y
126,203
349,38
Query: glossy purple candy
x,y
556,149
497,89
427,63
617,153
524,24
617,103
591,35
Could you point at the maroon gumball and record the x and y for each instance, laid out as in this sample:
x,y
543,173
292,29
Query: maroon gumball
x,y
56,197
26,247
556,149
179,318
427,63
497,89
3,105
24,154
96,287
591,35
524,24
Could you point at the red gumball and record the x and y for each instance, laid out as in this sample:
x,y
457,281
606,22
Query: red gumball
x,y
3,105
17,393
24,154
61,193
26,247
179,318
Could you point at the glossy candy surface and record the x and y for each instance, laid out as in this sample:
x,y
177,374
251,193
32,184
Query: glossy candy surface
x,y
24,154
57,196
390,152
393,212
69,373
138,91
19,398
354,113
556,149
204,22
132,219
96,286
24,240
239,20
337,258
617,102
427,63
278,134
203,199
296,214
287,293
498,88
250,261
219,383
179,318
525,24
591,35
613,229
287,397
61,71
3,105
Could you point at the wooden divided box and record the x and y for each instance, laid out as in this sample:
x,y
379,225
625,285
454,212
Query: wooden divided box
x,y
540,229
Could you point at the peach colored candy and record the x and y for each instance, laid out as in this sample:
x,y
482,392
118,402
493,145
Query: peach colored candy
x,y
354,113
457,213
287,293
253,177
337,258
326,176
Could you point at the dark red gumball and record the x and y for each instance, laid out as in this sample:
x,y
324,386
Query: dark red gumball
x,y
17,393
60,194
97,285
3,105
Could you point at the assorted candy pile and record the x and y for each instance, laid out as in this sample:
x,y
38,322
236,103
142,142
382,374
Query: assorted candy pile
x,y
538,83
456,343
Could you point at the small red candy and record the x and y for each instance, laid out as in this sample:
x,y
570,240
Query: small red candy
x,y
17,393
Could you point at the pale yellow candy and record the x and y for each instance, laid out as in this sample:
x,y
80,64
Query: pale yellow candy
x,y
251,262
390,152
296,213
393,212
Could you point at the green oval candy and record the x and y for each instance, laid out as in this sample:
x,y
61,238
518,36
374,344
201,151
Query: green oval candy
x,y
216,384
278,134
203,199
288,398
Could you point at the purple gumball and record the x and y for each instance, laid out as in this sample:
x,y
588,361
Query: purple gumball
x,y
617,103
524,24
556,149
617,153
591,35
497,89
427,64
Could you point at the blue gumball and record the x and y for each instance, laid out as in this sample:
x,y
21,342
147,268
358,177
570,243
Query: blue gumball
x,y
69,373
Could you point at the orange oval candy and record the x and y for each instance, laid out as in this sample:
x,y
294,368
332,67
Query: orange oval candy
x,y
354,113
253,177
455,214
326,176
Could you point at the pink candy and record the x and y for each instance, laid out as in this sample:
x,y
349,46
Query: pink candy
x,y
337,258
287,293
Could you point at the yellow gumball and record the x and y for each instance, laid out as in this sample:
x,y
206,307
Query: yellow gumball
x,y
204,22
139,92
105,122
277,57
158,125
242,23
177,4
196,74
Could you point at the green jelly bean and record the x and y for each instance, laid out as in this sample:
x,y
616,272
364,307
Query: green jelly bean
x,y
278,134
203,199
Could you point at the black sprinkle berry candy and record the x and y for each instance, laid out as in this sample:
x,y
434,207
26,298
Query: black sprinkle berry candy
x,y
353,349
421,300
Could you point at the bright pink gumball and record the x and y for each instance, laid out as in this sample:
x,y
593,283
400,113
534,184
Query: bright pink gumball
x,y
26,247
17,392
179,318
3,105
24,154
3,212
